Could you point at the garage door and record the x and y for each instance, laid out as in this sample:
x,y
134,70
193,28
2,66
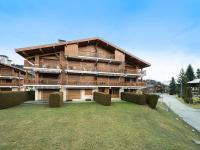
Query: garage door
x,y
73,94
115,93
45,94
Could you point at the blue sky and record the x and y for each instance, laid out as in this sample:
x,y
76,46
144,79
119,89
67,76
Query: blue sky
x,y
165,33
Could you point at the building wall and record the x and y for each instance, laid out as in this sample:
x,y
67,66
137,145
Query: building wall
x,y
68,58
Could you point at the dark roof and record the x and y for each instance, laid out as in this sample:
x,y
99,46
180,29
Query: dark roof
x,y
22,51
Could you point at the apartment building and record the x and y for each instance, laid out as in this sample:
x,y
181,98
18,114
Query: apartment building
x,y
11,78
80,67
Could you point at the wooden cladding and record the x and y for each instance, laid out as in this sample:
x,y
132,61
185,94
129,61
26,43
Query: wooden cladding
x,y
90,51
119,56
95,51
49,63
71,50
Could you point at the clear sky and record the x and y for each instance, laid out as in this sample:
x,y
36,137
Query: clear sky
x,y
165,33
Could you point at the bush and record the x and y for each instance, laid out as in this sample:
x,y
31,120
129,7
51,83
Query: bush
x,y
188,95
134,98
13,98
152,100
56,99
102,98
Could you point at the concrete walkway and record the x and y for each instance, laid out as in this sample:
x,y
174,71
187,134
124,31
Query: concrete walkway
x,y
188,114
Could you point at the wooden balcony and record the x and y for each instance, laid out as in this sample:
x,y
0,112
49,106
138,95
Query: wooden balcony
x,y
135,84
110,69
13,83
44,64
29,81
42,81
79,83
97,55
93,69
86,83
49,81
9,73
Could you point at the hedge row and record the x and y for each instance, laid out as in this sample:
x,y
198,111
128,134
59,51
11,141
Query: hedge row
x,y
56,99
134,98
13,98
102,98
141,99
152,100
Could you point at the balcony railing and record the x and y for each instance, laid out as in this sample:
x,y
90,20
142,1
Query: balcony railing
x,y
50,65
98,55
79,83
43,64
42,81
134,84
10,83
72,82
99,69
9,73
49,81
109,69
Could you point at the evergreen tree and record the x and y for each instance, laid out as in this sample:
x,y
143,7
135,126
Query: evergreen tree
x,y
182,83
198,73
172,87
190,73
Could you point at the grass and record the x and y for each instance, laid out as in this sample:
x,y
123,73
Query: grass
x,y
92,126
196,106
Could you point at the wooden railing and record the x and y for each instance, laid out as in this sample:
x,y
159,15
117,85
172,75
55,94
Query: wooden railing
x,y
94,54
99,69
42,81
98,83
134,84
9,73
49,81
46,64
79,82
13,83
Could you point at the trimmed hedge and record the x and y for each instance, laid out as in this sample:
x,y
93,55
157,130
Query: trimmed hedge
x,y
134,98
13,98
102,98
152,100
56,99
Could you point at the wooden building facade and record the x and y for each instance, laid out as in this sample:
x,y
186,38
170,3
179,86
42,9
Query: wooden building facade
x,y
11,78
80,67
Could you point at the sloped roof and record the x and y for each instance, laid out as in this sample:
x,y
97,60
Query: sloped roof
x,y
22,51
10,66
195,81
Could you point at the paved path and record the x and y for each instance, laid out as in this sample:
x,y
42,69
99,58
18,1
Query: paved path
x,y
189,115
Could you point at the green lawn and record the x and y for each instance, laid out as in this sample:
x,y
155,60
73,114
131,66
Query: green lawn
x,y
92,126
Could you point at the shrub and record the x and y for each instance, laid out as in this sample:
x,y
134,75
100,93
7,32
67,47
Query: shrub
x,y
102,98
134,98
188,95
13,98
56,99
152,100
